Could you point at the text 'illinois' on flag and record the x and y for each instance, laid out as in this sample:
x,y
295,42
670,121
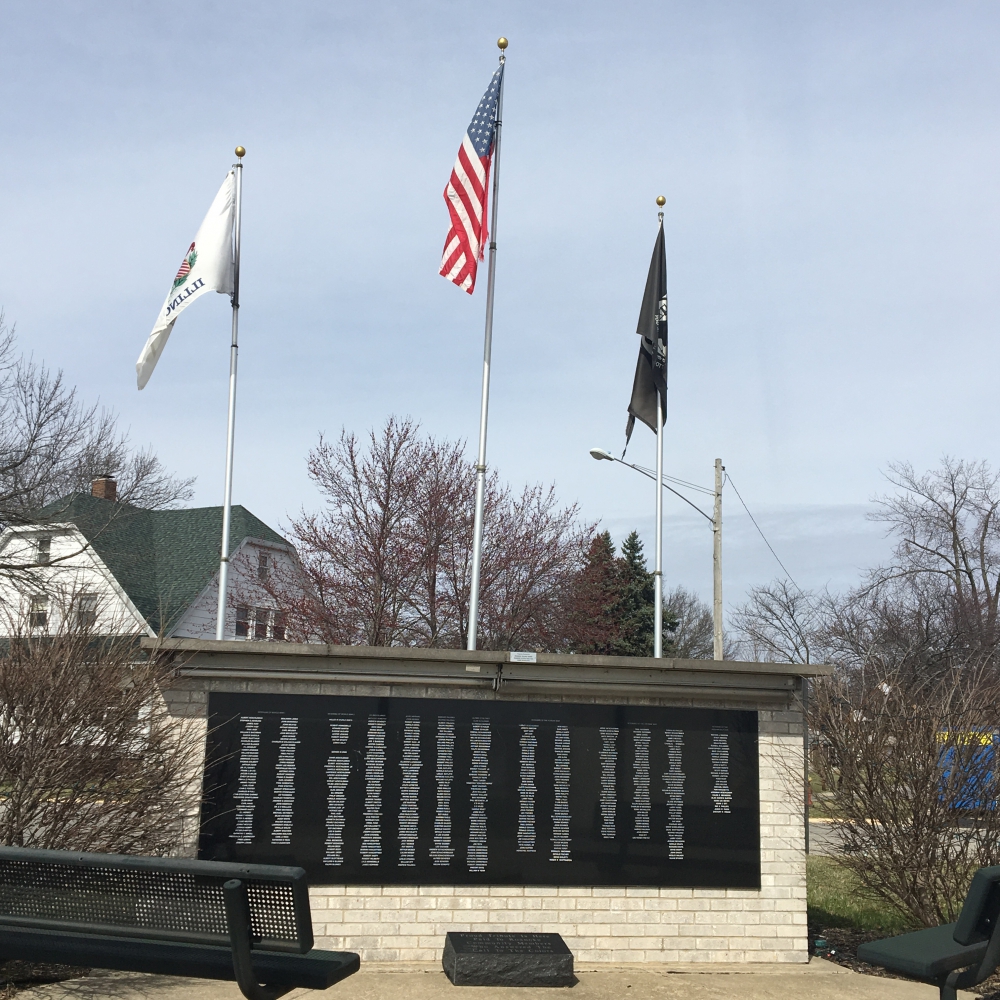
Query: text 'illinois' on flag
x,y
467,190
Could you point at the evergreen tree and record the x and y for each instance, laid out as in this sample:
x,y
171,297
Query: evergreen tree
x,y
613,602
595,627
633,610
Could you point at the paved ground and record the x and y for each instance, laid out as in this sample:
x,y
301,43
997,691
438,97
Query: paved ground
x,y
822,838
817,981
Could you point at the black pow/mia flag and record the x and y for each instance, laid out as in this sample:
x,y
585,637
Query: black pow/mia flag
x,y
651,368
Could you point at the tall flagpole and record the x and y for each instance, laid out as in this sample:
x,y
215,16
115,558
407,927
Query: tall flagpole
x,y
477,535
658,572
220,617
717,564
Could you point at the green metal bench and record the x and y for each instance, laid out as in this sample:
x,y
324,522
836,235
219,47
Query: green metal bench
x,y
953,956
171,916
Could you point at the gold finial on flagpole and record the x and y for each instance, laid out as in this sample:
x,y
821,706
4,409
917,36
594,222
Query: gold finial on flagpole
x,y
501,43
240,152
660,200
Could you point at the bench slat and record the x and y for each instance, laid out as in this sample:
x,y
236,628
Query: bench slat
x,y
926,954
177,898
316,970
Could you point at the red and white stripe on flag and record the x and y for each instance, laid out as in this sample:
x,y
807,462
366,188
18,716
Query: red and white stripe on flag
x,y
467,190
465,195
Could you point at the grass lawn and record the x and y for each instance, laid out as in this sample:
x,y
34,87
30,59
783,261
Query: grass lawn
x,y
836,899
821,806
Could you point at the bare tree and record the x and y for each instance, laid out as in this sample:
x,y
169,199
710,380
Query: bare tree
x,y
52,444
389,558
441,528
779,622
909,758
535,548
359,552
90,759
693,632
934,603
947,526
904,733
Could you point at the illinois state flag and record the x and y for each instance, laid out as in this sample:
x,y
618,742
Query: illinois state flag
x,y
207,267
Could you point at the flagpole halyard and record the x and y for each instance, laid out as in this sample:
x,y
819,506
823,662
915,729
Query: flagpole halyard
x,y
477,531
220,618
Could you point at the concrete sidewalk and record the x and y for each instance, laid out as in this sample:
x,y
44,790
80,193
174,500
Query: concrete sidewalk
x,y
820,980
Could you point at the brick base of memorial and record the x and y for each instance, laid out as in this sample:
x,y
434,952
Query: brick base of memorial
x,y
507,960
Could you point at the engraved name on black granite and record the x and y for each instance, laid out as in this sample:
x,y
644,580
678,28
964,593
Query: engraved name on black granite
x,y
411,791
245,795
284,781
338,771
442,852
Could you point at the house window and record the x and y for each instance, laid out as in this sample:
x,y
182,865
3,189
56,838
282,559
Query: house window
x,y
242,621
43,549
260,618
260,624
38,617
86,611
263,565
278,628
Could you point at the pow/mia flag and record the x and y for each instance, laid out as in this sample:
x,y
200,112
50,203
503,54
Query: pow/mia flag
x,y
651,368
207,266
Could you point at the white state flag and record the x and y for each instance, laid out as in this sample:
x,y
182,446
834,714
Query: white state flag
x,y
207,267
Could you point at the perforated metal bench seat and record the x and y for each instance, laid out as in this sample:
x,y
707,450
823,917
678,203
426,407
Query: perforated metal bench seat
x,y
952,956
315,970
928,954
204,919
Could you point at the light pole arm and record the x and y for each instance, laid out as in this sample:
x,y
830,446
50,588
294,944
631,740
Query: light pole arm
x,y
715,520
652,475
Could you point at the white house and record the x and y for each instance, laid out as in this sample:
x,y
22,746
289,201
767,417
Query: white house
x,y
121,569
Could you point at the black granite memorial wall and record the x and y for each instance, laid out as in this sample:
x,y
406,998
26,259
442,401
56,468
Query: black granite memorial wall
x,y
408,791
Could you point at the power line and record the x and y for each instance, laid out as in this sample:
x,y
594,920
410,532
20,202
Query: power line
x,y
729,479
691,486
652,475
673,479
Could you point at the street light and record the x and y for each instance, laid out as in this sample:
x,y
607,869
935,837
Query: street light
x,y
600,455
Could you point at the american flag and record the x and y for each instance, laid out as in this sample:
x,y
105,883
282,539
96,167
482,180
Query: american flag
x,y
467,191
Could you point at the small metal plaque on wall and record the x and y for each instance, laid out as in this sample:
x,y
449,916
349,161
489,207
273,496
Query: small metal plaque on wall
x,y
409,791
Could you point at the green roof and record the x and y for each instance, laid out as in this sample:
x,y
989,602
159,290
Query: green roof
x,y
162,559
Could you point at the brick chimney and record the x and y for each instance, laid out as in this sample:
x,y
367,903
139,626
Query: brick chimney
x,y
104,488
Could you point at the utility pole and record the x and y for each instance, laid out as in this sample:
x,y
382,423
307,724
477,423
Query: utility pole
x,y
717,561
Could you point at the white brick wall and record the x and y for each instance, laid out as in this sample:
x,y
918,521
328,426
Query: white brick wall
x,y
405,923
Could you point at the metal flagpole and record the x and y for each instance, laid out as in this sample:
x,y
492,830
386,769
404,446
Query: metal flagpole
x,y
220,616
658,572
717,563
477,534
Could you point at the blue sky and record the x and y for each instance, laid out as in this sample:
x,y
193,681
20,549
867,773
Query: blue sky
x,y
832,230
